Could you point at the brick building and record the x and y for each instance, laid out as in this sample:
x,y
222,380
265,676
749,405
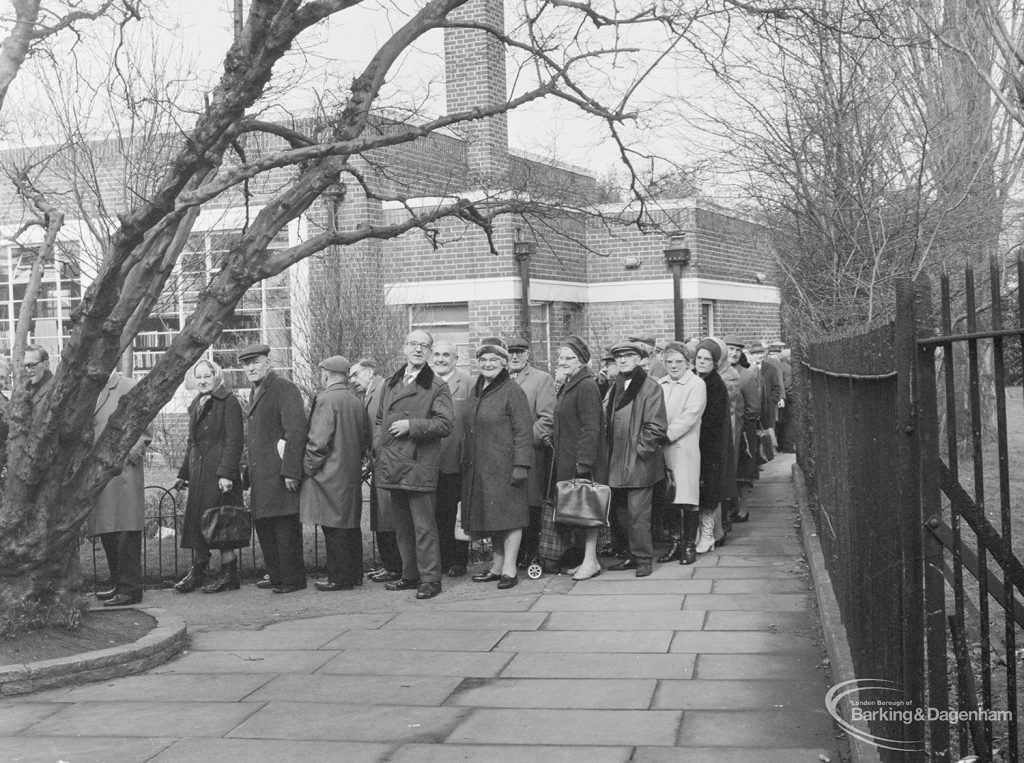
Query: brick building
x,y
601,278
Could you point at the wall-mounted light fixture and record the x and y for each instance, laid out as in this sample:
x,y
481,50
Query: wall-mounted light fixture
x,y
632,263
760,277
677,257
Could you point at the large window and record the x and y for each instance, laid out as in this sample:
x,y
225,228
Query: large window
x,y
262,315
59,293
448,323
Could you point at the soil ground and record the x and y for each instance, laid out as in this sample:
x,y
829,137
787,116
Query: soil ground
x,y
99,630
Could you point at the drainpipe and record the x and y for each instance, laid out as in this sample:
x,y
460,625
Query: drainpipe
x,y
522,251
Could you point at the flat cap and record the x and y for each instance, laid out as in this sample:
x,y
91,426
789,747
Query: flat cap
x,y
626,345
756,347
337,363
650,341
252,351
733,341
517,343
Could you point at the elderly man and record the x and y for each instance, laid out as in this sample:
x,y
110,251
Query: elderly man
x,y
635,411
416,414
332,491
369,384
275,441
37,371
117,519
770,382
539,387
651,363
784,417
454,553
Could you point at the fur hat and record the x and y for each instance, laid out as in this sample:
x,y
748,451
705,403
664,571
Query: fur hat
x,y
492,344
579,348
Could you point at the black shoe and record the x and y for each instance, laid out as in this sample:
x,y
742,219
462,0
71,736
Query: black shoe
x,y
629,563
402,584
323,585
386,577
643,570
428,590
673,554
109,593
122,599
486,577
508,582
456,571
265,583
227,581
738,520
607,552
290,588
195,578
689,554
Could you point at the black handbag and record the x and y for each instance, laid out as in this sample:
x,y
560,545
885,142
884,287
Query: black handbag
x,y
226,527
765,447
582,503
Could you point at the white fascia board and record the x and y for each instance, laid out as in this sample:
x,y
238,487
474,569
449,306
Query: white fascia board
x,y
545,290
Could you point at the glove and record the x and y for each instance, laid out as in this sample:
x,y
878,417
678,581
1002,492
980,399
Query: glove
x,y
180,484
520,474
583,472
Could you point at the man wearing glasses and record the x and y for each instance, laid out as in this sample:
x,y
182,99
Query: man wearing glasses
x,y
37,370
416,413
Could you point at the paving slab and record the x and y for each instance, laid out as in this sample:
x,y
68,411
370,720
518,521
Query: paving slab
x,y
502,621
247,661
779,602
16,716
260,640
367,689
610,604
748,620
740,642
645,586
83,749
758,754
417,663
702,694
144,719
761,549
336,623
625,621
271,751
568,665
520,603
761,666
351,723
559,693
670,571
409,639
590,642
755,728
793,585
786,562
156,687
509,753
777,572
570,727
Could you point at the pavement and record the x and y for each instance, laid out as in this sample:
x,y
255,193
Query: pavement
x,y
716,662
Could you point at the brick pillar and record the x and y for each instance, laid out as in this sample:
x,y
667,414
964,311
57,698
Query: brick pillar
x,y
475,77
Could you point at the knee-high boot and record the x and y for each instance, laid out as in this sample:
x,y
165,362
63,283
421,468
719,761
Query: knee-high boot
x,y
691,526
707,531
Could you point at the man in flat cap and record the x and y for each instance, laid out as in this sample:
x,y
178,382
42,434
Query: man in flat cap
x,y
635,412
539,387
415,415
784,416
454,553
651,363
275,443
332,491
771,384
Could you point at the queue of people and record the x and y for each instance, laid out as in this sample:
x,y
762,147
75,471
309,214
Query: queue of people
x,y
672,431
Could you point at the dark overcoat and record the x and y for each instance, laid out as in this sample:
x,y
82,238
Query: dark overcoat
x,y
276,441
411,462
460,386
380,500
636,460
339,436
498,437
712,430
214,450
539,387
579,433
122,504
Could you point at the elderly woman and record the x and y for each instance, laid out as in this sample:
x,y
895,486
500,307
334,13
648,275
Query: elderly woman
x,y
730,492
685,400
496,458
712,429
210,471
579,436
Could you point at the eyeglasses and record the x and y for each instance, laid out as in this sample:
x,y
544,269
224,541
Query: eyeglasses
x,y
417,345
485,361
33,365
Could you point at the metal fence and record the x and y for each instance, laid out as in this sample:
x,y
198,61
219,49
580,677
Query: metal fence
x,y
905,442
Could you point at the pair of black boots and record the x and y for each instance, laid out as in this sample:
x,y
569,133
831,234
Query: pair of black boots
x,y
684,549
227,581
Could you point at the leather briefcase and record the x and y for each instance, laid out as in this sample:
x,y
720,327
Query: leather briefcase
x,y
582,503
226,527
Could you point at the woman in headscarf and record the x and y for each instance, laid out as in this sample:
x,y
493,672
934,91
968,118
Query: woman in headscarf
x,y
496,458
712,429
210,471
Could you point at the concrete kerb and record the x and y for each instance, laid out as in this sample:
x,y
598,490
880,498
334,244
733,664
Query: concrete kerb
x,y
166,640
838,648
